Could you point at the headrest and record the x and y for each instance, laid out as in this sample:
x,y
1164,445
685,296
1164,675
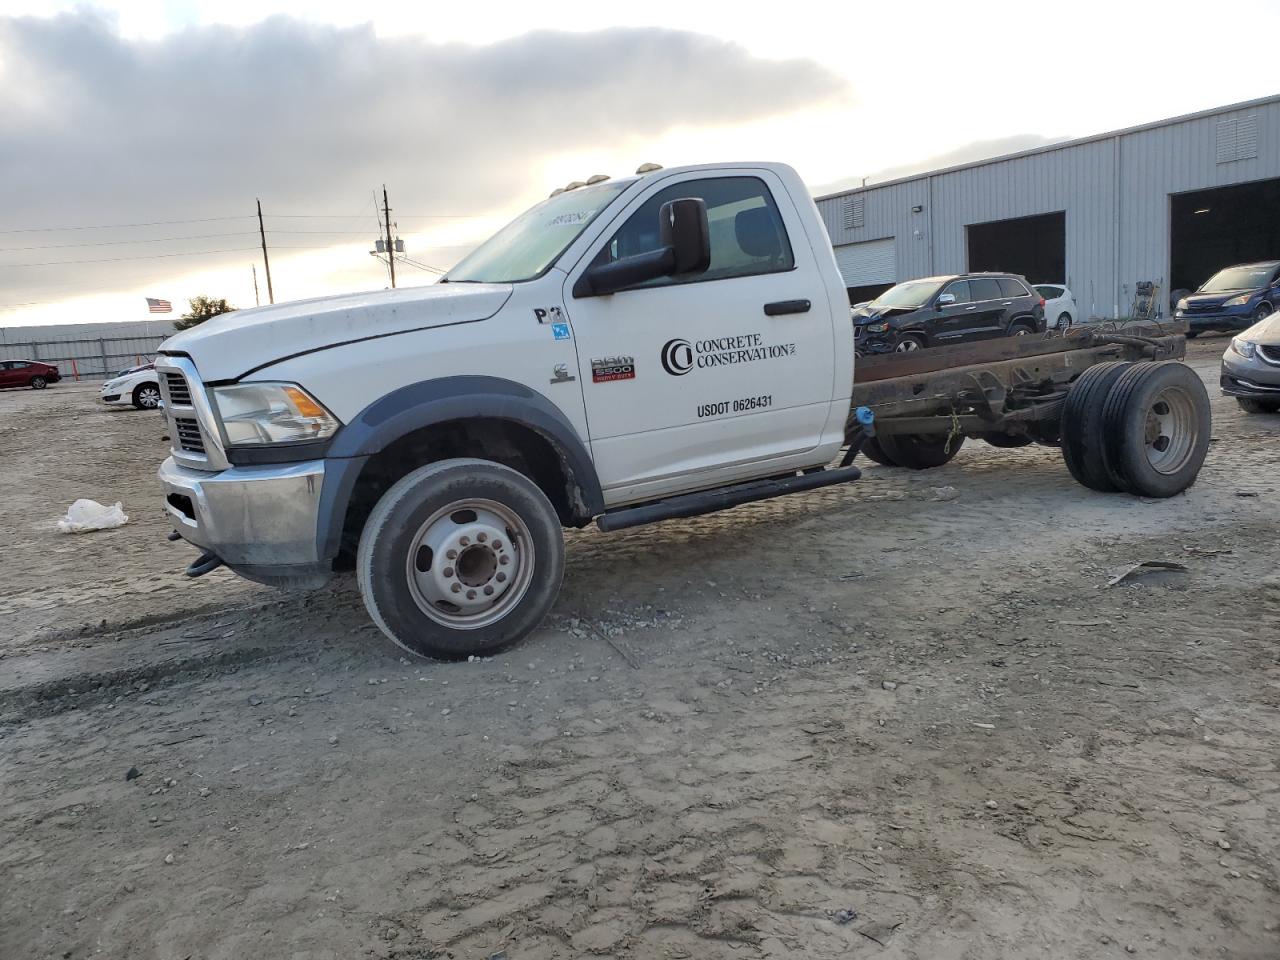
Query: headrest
x,y
757,233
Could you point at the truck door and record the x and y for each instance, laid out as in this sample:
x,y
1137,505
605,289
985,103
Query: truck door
x,y
694,381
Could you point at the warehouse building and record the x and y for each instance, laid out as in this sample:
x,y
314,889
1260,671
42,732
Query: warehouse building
x,y
1169,202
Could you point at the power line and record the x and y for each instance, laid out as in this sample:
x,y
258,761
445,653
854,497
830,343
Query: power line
x,y
121,226
156,256
116,243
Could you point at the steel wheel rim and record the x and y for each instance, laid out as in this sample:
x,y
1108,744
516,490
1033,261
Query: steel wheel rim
x,y
1170,430
906,346
470,564
149,397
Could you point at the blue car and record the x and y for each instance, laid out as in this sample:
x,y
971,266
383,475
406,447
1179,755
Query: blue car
x,y
1233,299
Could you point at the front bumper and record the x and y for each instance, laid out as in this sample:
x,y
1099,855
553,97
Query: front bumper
x,y
261,521
1250,378
1240,318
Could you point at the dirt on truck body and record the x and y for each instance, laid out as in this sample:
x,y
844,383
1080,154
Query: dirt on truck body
x,y
905,717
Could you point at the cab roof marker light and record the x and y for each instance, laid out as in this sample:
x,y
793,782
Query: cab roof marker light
x,y
575,185
557,191
597,178
648,167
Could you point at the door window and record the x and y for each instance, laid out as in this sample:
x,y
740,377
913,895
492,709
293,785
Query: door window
x,y
747,234
1009,287
984,288
959,289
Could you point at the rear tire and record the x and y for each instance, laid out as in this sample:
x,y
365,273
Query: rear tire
x,y
39,383
1064,321
1006,441
1250,405
1156,426
919,451
460,558
1021,330
874,452
1081,425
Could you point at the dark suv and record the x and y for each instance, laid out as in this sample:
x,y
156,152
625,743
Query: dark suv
x,y
936,311
1233,299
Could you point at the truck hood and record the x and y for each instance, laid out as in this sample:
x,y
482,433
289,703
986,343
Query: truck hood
x,y
229,346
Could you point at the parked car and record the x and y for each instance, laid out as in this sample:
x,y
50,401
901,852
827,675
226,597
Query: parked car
x,y
1251,367
1233,299
139,386
28,373
934,311
1059,305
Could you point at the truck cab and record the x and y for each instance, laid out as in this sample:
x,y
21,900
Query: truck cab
x,y
628,349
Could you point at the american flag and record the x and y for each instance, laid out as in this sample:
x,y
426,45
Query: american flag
x,y
159,306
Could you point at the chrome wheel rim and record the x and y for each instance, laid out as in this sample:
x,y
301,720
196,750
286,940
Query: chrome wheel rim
x,y
1021,332
149,397
906,346
470,564
1170,430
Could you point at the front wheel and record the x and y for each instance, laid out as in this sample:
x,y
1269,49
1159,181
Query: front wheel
x,y
1263,311
147,396
460,558
39,383
1252,405
909,343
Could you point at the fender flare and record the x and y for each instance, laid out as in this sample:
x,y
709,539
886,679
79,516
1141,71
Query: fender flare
x,y
430,402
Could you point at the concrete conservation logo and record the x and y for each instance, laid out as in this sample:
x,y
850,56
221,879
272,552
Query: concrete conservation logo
x,y
677,357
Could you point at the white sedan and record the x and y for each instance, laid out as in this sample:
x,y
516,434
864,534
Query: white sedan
x,y
138,386
1059,306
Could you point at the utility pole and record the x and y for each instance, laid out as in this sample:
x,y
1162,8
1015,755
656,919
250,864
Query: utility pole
x,y
391,250
257,300
262,232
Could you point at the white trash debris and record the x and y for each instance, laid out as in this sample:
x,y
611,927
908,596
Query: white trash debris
x,y
86,515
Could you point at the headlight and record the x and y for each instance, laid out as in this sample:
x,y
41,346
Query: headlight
x,y
1246,348
877,327
1182,304
1239,301
253,413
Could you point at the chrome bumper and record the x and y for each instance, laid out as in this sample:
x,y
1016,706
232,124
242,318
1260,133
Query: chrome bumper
x,y
261,520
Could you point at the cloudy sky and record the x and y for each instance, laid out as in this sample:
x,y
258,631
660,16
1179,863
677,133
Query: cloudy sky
x,y
135,135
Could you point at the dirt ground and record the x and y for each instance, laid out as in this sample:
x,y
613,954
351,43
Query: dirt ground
x,y
884,720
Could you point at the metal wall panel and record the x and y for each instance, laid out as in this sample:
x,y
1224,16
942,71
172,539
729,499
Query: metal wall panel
x,y
1114,189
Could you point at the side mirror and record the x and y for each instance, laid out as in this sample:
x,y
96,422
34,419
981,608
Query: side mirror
x,y
946,299
685,238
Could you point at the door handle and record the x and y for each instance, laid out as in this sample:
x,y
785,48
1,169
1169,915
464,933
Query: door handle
x,y
780,307
971,308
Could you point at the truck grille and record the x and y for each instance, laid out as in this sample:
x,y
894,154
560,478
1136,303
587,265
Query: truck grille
x,y
187,433
179,392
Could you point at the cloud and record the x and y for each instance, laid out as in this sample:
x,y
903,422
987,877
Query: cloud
x,y
96,128
969,153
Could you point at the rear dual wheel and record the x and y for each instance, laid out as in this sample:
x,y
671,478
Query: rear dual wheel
x,y
1141,428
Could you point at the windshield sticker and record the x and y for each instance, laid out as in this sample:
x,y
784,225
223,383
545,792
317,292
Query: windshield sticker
x,y
577,216
610,369
560,331
548,314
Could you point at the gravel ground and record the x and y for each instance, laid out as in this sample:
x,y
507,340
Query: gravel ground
x,y
881,720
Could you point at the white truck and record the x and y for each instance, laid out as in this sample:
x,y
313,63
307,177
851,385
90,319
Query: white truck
x,y
628,350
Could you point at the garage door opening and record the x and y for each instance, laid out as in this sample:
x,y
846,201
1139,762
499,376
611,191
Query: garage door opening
x,y
868,267
1035,247
1212,229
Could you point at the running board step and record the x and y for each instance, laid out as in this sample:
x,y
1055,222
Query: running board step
x,y
721,498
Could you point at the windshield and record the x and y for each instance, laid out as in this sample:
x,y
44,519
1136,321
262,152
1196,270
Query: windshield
x,y
530,243
913,293
1239,278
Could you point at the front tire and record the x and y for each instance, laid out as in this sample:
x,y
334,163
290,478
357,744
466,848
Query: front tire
x,y
146,396
39,383
460,558
909,343
1252,405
